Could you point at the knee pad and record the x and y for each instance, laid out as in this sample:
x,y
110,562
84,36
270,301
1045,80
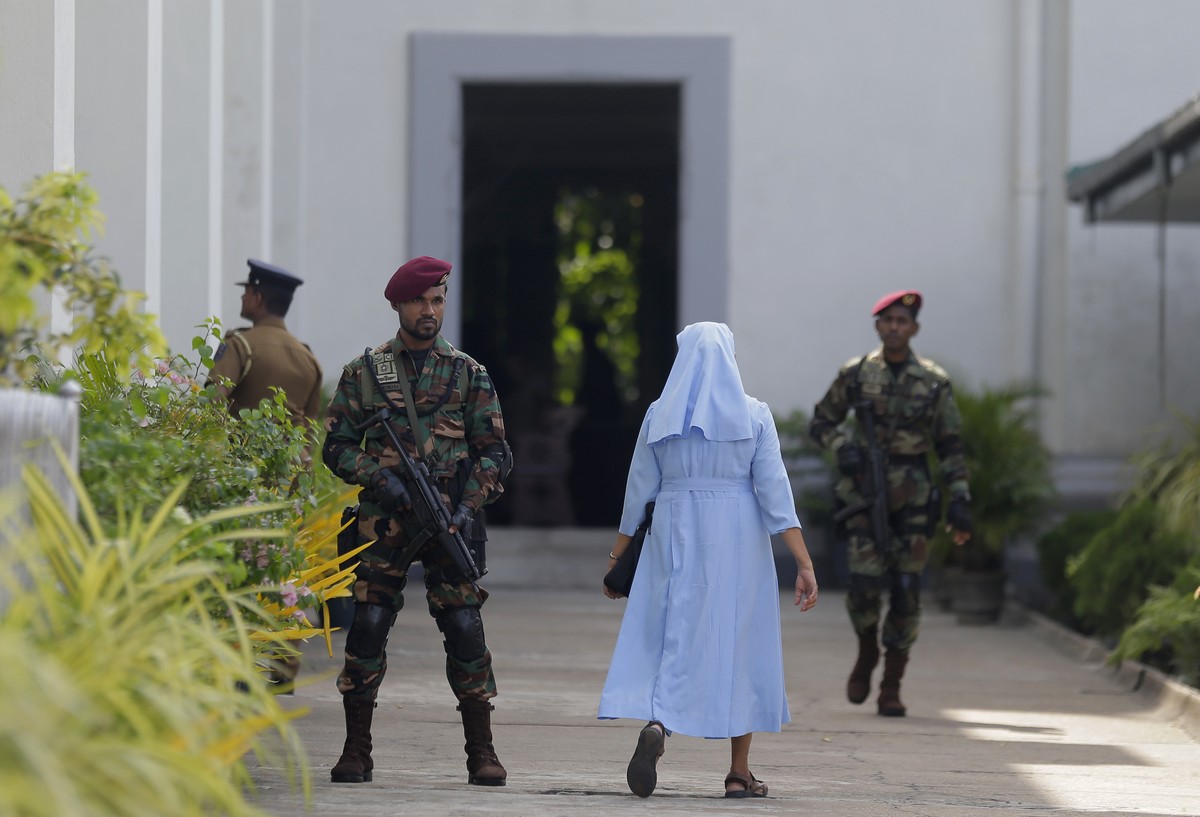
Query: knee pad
x,y
863,591
369,631
462,628
906,593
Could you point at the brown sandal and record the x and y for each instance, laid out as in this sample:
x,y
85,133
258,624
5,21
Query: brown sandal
x,y
752,786
641,775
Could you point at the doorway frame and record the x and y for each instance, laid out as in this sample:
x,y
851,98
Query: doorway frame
x,y
443,62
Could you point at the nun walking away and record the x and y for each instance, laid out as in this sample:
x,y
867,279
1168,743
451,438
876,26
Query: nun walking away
x,y
699,651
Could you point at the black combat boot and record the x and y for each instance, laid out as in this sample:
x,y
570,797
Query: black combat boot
x,y
483,767
355,765
859,685
889,688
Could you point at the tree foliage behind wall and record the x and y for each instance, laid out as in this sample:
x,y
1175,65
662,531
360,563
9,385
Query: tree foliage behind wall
x,y
599,242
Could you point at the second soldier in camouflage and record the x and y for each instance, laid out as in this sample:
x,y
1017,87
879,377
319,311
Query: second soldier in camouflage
x,y
912,405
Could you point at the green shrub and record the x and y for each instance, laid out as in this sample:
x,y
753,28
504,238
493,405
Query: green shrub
x,y
128,688
1166,632
1111,576
165,428
136,633
1011,483
1170,475
44,249
1155,602
1057,547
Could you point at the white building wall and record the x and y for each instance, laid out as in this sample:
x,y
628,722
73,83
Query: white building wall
x,y
30,43
875,145
111,127
870,151
187,179
1132,65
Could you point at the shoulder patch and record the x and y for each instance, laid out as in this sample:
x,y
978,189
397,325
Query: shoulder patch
x,y
385,366
852,363
934,369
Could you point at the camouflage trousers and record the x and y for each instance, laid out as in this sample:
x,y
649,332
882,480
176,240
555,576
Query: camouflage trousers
x,y
891,569
382,583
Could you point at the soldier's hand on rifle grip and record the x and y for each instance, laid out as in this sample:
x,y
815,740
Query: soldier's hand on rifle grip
x,y
461,521
390,492
849,460
958,520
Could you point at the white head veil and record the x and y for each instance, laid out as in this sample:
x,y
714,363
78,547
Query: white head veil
x,y
704,389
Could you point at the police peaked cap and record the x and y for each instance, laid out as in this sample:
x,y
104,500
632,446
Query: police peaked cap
x,y
416,276
905,297
269,276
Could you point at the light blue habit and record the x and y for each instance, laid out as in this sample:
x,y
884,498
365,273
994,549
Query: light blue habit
x,y
699,647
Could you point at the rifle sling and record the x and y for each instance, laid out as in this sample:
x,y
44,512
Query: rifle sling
x,y
414,424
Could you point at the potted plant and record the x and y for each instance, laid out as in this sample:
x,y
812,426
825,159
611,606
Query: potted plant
x,y
1011,492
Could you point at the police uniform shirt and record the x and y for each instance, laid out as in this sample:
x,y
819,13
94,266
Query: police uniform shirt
x,y
276,358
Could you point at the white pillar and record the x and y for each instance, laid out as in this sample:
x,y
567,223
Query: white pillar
x,y
1028,190
117,139
1052,287
154,155
216,151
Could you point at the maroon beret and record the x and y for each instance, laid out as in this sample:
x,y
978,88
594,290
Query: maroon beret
x,y
906,297
415,277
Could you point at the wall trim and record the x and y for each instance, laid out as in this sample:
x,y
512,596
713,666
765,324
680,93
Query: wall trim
x,y
442,63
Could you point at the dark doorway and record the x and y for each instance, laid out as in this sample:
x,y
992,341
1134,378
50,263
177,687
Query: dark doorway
x,y
570,238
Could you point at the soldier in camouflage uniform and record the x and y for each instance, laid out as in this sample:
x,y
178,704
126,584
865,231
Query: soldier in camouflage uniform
x,y
461,440
914,414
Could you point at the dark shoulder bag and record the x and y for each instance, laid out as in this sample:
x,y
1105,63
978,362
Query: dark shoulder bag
x,y
620,578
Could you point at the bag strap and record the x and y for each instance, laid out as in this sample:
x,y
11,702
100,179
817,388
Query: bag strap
x,y
237,338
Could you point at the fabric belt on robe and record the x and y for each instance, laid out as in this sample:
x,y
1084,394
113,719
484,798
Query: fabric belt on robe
x,y
707,484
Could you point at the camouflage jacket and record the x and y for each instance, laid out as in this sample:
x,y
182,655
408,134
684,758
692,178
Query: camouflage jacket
x,y
456,405
914,412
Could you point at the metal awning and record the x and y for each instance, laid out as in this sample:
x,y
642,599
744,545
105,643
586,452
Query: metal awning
x,y
1155,178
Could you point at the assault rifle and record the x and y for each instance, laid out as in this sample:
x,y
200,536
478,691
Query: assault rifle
x,y
872,484
427,506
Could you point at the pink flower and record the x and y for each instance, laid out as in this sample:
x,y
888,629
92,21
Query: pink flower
x,y
288,593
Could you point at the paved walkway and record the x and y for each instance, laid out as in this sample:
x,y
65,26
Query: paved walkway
x,y
1012,719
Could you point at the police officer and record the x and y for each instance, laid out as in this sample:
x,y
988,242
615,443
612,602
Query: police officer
x,y
252,360
914,414
459,434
